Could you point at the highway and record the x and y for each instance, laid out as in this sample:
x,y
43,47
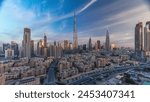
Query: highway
x,y
87,78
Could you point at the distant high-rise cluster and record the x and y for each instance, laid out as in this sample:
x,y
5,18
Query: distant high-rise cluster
x,y
6,46
55,50
11,50
43,49
97,45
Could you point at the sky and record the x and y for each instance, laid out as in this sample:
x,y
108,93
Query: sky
x,y
55,18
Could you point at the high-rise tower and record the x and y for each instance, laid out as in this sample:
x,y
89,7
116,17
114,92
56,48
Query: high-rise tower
x,y
75,39
40,48
98,44
45,40
66,45
90,44
27,43
107,44
45,46
32,48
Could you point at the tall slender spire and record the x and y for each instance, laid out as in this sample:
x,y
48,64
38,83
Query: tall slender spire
x,y
75,39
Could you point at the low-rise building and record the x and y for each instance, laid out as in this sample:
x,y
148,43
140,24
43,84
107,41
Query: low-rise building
x,y
2,79
124,57
101,62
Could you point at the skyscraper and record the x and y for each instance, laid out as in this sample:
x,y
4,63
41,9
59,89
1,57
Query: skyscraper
x,y
40,48
32,48
27,43
59,51
98,44
1,49
107,43
84,47
70,46
66,45
75,39
147,37
90,44
45,46
55,43
45,51
51,50
139,39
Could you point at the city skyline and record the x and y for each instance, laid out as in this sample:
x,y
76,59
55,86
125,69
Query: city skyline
x,y
67,42
42,18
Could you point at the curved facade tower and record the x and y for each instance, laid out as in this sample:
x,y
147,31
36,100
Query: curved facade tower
x,y
147,36
139,46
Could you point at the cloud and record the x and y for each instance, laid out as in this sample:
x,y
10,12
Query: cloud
x,y
63,25
136,14
47,21
87,6
16,11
